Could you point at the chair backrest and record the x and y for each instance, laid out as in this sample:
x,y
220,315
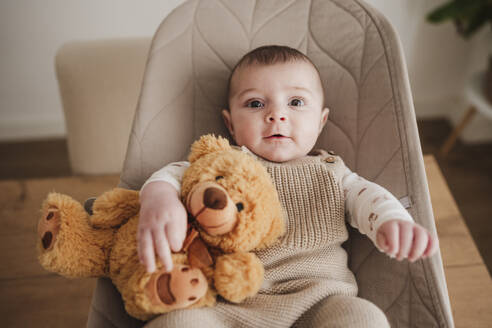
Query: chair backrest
x,y
371,125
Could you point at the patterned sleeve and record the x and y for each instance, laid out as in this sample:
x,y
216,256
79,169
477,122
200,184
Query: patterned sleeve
x,y
368,205
171,173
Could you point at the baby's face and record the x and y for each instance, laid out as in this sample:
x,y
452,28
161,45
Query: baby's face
x,y
276,110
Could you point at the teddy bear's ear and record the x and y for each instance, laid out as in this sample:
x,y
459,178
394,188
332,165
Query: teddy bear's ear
x,y
207,144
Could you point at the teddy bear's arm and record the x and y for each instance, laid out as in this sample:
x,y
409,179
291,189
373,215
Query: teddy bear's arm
x,y
114,207
238,275
277,229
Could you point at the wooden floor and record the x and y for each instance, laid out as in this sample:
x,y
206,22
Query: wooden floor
x,y
29,295
468,171
469,282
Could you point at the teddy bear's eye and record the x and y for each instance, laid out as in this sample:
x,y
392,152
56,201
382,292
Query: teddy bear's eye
x,y
217,178
239,206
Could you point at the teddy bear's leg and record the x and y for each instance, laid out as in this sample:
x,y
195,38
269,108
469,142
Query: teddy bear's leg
x,y
179,288
114,208
238,275
147,295
66,243
48,227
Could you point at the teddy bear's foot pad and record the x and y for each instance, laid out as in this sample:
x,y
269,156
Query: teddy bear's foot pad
x,y
179,288
48,227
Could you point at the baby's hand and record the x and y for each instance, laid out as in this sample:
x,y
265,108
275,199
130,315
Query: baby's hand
x,y
404,239
161,226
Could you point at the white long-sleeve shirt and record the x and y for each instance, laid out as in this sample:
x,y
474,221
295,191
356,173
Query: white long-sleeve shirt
x,y
367,204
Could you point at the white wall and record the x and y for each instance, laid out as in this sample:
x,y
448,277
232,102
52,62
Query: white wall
x,y
439,61
30,34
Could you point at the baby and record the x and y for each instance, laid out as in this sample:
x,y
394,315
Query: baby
x,y
276,113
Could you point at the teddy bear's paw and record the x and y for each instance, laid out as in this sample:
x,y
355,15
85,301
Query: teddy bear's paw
x,y
48,227
180,288
238,275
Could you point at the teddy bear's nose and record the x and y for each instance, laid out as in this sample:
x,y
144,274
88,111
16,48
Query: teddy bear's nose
x,y
214,198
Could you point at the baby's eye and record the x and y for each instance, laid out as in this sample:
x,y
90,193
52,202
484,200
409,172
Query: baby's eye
x,y
255,104
296,102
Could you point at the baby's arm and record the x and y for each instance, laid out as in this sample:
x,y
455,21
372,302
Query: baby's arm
x,y
378,214
163,218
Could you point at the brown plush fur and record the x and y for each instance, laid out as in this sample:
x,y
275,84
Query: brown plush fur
x,y
76,244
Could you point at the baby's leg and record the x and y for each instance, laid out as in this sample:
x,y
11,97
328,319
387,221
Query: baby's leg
x,y
343,311
189,318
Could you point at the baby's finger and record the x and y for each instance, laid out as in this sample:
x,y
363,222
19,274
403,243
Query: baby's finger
x,y
162,248
420,242
146,250
432,246
393,239
406,237
381,241
176,232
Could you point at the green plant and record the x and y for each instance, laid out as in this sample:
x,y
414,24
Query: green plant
x,y
468,15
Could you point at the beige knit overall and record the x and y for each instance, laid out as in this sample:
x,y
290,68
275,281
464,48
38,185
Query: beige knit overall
x,y
307,280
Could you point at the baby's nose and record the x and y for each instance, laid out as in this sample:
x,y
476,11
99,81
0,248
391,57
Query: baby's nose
x,y
276,115
273,119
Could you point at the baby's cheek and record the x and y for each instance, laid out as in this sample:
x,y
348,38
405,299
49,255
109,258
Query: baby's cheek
x,y
309,137
244,138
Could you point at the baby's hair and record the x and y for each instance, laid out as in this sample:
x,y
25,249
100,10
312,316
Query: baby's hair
x,y
270,55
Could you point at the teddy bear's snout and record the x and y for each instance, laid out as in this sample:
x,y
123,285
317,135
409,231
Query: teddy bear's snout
x,y
212,207
215,198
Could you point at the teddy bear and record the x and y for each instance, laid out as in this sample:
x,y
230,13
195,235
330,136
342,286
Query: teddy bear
x,y
233,210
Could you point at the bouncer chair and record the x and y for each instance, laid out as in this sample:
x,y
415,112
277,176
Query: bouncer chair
x,y
371,125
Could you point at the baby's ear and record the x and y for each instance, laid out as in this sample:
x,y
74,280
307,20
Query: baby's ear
x,y
324,118
226,115
207,144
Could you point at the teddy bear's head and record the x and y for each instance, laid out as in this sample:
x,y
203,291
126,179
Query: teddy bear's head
x,y
231,196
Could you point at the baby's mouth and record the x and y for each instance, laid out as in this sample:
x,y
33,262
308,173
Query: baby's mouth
x,y
276,136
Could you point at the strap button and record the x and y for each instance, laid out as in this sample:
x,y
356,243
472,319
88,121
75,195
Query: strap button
x,y
330,159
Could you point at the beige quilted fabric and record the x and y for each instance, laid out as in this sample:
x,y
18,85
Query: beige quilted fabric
x,y
371,124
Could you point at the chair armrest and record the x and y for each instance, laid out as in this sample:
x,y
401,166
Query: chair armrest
x,y
99,82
